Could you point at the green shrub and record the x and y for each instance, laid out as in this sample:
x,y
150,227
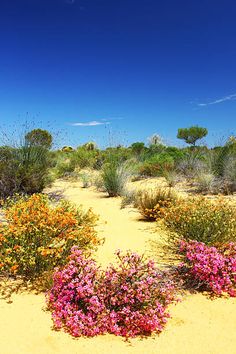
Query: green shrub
x,y
64,168
85,178
115,178
117,154
83,158
156,164
137,148
192,162
24,169
39,137
202,220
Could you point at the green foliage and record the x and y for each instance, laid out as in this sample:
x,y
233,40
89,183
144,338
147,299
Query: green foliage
x,y
192,134
68,161
137,148
203,220
90,146
86,178
84,158
117,154
24,169
229,174
191,162
222,154
67,149
39,137
115,177
156,164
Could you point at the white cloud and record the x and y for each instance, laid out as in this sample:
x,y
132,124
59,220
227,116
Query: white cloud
x,y
114,118
219,100
93,123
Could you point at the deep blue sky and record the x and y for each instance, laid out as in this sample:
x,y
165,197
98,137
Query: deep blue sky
x,y
141,67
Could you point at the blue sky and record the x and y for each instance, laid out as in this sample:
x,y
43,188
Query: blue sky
x,y
121,68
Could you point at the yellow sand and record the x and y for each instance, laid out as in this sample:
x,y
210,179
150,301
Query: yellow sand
x,y
198,325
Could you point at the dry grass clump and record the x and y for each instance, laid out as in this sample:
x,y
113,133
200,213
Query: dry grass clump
x,y
153,202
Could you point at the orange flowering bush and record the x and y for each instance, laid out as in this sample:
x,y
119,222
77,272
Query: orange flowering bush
x,y
38,236
199,219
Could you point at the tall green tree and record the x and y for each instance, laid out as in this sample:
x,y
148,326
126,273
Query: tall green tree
x,y
192,135
39,137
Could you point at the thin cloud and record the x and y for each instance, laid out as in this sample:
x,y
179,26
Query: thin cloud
x,y
114,118
220,100
88,124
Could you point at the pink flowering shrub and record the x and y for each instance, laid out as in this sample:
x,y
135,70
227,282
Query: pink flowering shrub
x,y
210,268
128,299
74,300
136,295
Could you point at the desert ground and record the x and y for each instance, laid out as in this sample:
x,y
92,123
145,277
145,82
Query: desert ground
x,y
198,324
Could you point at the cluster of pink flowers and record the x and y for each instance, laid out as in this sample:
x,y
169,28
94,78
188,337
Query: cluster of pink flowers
x,y
211,268
128,299
74,299
136,296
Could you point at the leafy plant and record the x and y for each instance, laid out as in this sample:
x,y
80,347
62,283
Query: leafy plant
x,y
38,236
128,299
74,298
137,148
24,169
85,178
136,295
156,164
202,220
115,177
209,268
39,137
192,134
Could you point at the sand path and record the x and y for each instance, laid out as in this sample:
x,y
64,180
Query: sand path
x,y
198,325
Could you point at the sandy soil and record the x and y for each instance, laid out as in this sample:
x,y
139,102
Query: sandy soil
x,y
198,324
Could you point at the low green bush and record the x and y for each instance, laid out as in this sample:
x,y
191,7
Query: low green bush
x,y
115,177
24,169
202,220
156,164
